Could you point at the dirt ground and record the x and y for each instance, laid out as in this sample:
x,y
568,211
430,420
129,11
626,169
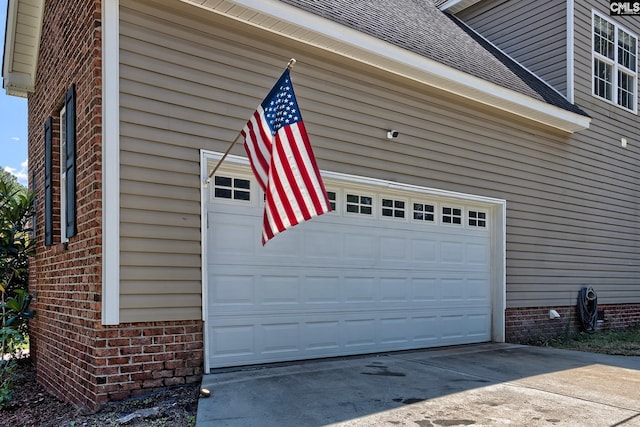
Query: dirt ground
x,y
33,406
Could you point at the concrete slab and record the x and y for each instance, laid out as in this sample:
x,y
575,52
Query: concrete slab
x,y
476,385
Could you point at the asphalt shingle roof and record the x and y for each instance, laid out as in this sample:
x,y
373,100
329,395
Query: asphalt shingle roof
x,y
420,27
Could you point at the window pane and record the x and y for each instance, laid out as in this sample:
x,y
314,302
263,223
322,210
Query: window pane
x,y
603,79
241,183
223,193
625,90
603,37
241,195
223,181
626,50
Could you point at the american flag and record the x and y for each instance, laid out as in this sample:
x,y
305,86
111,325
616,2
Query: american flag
x,y
283,163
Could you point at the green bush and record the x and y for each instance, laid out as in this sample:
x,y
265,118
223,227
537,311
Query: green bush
x,y
16,245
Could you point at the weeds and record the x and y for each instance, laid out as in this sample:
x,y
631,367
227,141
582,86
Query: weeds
x,y
617,342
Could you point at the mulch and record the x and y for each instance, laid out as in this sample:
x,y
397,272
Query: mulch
x,y
33,406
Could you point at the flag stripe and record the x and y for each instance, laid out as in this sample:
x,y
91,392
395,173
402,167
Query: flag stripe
x,y
301,172
287,173
258,143
309,170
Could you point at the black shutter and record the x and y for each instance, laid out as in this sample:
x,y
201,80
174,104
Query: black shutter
x,y
70,112
34,205
48,187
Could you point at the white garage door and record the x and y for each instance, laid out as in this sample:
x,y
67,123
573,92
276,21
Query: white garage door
x,y
392,268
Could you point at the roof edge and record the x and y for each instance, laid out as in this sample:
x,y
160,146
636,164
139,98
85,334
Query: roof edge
x,y
455,6
350,43
19,79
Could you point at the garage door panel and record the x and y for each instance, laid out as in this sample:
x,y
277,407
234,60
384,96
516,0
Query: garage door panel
x,y
343,283
281,338
376,288
352,286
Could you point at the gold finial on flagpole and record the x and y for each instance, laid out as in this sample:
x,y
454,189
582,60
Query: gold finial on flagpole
x,y
291,63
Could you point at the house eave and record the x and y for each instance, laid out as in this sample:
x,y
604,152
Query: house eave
x,y
455,6
21,46
305,27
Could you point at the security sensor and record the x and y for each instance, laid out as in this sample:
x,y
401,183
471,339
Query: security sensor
x,y
392,134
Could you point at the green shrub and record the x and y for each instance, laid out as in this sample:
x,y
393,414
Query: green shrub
x,y
16,210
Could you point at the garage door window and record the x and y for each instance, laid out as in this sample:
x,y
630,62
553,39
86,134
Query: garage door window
x,y
359,204
477,219
331,195
393,208
424,212
451,215
226,187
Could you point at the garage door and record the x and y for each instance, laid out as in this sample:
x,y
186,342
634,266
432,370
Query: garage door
x,y
391,268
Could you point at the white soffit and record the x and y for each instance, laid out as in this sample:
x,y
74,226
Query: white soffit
x,y
21,45
305,27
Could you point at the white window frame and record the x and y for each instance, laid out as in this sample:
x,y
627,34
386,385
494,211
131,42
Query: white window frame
x,y
63,175
614,64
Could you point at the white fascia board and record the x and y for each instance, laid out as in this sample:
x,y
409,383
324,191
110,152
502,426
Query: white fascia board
x,y
9,36
17,84
394,59
455,6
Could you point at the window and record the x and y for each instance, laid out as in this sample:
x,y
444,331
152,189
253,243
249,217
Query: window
x,y
359,204
477,219
232,188
451,215
331,195
614,63
393,208
423,212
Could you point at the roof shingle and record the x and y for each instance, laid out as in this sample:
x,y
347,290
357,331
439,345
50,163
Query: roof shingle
x,y
420,27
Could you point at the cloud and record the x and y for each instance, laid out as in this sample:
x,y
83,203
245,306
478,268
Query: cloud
x,y
22,174
15,138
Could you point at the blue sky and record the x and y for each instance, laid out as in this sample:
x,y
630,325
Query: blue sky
x,y
13,123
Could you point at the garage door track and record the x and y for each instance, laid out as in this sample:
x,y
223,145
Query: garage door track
x,y
474,385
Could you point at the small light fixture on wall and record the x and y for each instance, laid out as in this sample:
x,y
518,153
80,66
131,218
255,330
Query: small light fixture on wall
x,y
623,142
392,134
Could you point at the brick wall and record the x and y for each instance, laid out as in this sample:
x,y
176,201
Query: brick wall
x,y
77,358
533,325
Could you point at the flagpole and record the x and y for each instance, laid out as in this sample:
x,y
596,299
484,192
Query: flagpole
x,y
224,156
290,65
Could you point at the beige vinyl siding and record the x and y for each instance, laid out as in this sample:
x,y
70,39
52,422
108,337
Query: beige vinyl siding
x,y
189,81
532,32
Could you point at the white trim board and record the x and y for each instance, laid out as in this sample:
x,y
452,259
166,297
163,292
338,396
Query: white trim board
x,y
110,162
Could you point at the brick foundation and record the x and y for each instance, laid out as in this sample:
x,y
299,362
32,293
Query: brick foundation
x,y
532,324
102,364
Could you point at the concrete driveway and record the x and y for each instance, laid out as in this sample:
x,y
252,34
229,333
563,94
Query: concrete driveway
x,y
474,385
